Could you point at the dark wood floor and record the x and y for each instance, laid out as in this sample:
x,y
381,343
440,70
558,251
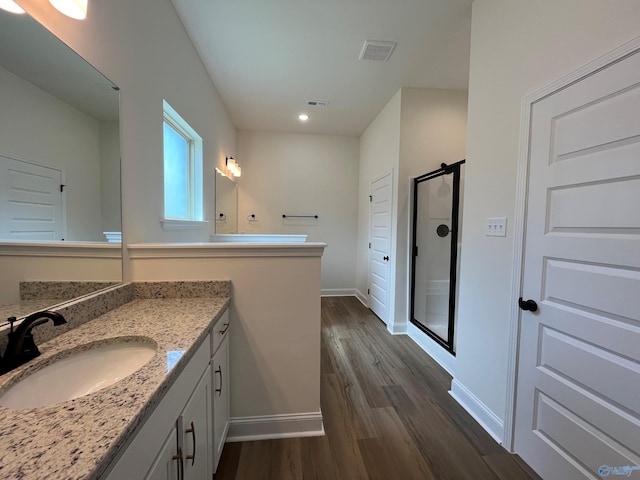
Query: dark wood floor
x,y
387,416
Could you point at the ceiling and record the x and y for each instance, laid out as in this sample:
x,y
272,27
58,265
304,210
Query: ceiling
x,y
30,51
267,58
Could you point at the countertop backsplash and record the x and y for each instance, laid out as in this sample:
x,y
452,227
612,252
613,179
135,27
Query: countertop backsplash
x,y
91,306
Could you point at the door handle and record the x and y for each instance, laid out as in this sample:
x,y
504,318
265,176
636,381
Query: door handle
x,y
192,431
219,371
528,305
386,258
180,460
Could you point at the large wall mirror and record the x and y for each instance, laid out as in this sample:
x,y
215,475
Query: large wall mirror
x,y
60,210
226,205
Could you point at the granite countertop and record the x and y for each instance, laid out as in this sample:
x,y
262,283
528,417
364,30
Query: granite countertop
x,y
77,439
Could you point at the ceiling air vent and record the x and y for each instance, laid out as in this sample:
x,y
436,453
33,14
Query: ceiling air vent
x,y
376,50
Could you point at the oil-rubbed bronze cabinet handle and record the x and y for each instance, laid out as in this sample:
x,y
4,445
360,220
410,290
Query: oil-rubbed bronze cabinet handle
x,y
219,390
180,460
192,430
224,330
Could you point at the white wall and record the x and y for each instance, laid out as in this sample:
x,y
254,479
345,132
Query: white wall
x,y
416,131
379,153
297,174
110,177
516,48
433,128
39,128
143,48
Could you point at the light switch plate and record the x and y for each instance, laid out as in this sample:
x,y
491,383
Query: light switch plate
x,y
496,227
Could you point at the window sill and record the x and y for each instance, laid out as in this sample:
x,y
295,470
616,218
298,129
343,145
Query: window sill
x,y
173,224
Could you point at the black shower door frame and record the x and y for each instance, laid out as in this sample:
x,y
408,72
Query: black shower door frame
x,y
445,169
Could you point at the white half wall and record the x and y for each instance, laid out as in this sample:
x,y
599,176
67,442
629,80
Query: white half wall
x,y
517,47
275,325
63,261
297,174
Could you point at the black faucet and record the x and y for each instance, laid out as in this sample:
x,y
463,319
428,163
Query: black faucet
x,y
21,348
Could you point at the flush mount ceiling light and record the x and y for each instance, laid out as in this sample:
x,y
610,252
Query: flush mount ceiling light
x,y
10,6
71,8
303,117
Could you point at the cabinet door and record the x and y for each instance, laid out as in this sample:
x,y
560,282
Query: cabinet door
x,y
220,365
166,464
194,426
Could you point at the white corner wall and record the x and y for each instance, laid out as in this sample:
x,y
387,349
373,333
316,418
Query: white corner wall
x,y
516,48
433,129
416,131
110,177
379,153
298,174
143,48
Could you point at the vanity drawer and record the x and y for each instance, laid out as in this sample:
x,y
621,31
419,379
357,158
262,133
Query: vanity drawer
x,y
220,331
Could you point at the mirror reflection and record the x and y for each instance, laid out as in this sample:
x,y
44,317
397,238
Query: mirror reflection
x,y
60,211
226,205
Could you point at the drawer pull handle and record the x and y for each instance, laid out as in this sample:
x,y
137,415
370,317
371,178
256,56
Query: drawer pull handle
x,y
224,330
219,390
192,430
180,460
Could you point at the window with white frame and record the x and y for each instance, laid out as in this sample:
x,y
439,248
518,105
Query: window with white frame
x,y
182,172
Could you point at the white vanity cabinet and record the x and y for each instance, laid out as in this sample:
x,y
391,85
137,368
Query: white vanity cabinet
x,y
184,454
184,435
220,382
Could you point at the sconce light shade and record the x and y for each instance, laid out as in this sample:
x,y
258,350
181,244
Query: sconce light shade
x,y
233,167
71,8
10,6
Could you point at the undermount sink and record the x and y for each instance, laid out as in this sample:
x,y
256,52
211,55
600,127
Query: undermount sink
x,y
87,370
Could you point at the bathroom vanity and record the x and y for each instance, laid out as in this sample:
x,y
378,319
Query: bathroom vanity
x,y
169,416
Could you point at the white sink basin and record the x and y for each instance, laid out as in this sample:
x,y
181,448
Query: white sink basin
x,y
79,374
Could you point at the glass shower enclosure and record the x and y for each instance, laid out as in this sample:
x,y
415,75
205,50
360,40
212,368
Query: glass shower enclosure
x,y
436,239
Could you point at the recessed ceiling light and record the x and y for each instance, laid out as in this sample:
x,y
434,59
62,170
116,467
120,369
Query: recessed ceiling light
x,y
303,117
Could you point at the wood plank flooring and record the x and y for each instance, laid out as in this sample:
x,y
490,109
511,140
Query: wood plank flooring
x,y
387,416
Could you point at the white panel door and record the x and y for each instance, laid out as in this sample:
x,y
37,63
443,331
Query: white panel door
x,y
380,246
578,391
30,201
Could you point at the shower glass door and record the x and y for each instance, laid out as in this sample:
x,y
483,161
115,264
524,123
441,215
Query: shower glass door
x,y
436,215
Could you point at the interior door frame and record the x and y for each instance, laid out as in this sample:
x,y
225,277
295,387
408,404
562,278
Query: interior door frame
x,y
392,240
522,185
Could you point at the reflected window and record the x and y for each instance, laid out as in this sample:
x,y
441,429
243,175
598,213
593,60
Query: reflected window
x,y
182,168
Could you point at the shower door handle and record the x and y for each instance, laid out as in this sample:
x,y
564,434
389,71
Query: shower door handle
x,y
386,258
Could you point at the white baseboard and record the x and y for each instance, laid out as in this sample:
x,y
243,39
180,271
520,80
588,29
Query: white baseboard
x,y
269,427
478,410
433,349
362,297
397,329
338,292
